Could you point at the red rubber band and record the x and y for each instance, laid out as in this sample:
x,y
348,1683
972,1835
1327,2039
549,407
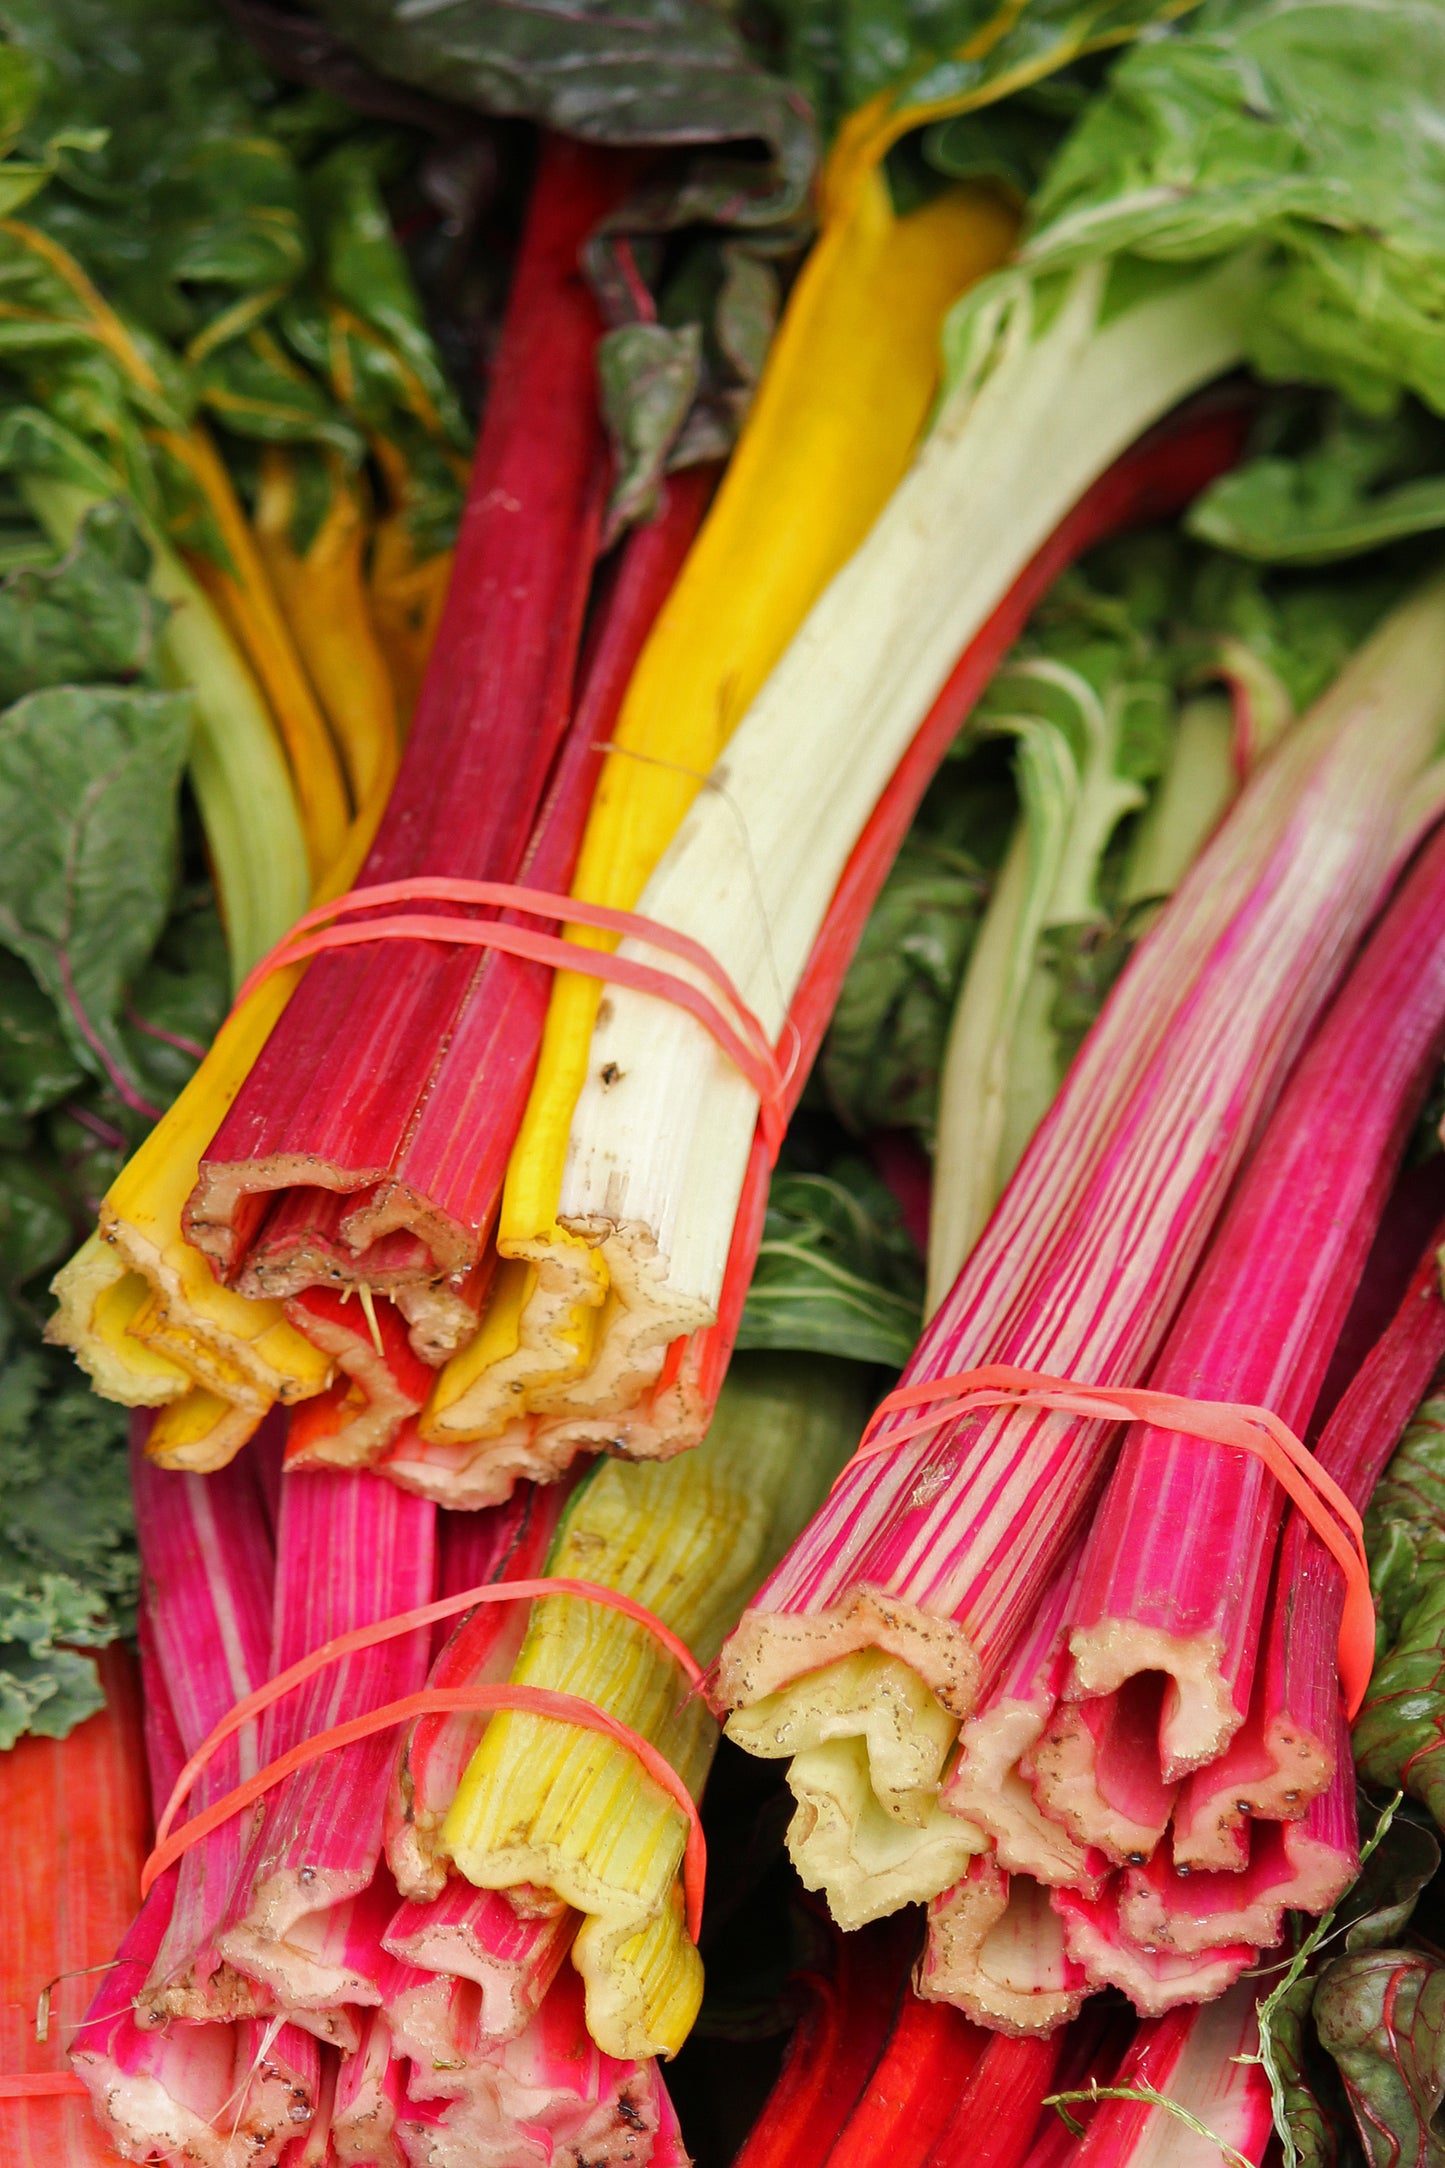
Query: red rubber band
x,y
1219,1422
41,2085
741,1035
168,1847
444,1701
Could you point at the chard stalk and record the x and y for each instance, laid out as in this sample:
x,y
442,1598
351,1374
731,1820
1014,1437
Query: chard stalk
x,y
938,1556
1176,1569
1190,2089
662,1130
1000,1071
846,390
548,1806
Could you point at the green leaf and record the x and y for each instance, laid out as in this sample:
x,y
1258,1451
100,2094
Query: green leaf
x,y
36,1227
1378,1907
651,71
47,1694
363,267
1381,2016
1359,483
68,1569
1307,2116
649,378
179,999
884,1049
89,617
37,1068
64,1488
1255,124
836,1272
1399,1734
88,838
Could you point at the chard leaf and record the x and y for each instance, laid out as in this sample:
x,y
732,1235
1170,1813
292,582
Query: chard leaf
x,y
1399,1734
1255,125
910,55
1295,2054
1400,1731
87,618
885,1044
179,999
836,1272
1378,1908
88,841
649,377
36,1226
1365,483
1381,2016
37,1068
651,71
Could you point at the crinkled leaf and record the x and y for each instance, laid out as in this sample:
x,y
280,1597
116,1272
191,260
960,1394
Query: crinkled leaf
x,y
47,1694
68,1569
88,838
836,1272
184,204
36,1227
89,617
37,1068
884,1050
1258,123
747,309
1364,483
1381,2016
256,389
364,269
923,52
1399,1734
1010,144
649,376
1405,1520
1310,2125
1376,1910
652,71
179,999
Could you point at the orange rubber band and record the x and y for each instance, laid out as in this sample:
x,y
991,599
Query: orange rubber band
x,y
444,1701
741,1036
168,1848
1259,1431
42,2084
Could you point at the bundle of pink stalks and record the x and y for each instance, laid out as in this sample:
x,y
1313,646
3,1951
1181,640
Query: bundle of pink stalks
x,y
276,2000
969,1551
1166,1752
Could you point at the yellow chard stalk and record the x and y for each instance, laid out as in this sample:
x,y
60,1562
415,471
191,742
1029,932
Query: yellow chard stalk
x,y
548,1804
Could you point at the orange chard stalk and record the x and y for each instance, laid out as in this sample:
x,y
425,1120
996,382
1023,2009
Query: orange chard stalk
x,y
243,595
322,591
68,1891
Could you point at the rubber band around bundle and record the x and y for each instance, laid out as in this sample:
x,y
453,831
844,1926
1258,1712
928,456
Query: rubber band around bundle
x,y
1259,1431
742,1036
454,1700
42,2085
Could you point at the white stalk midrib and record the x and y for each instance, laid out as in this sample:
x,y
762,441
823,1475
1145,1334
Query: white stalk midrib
x,y
665,1141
